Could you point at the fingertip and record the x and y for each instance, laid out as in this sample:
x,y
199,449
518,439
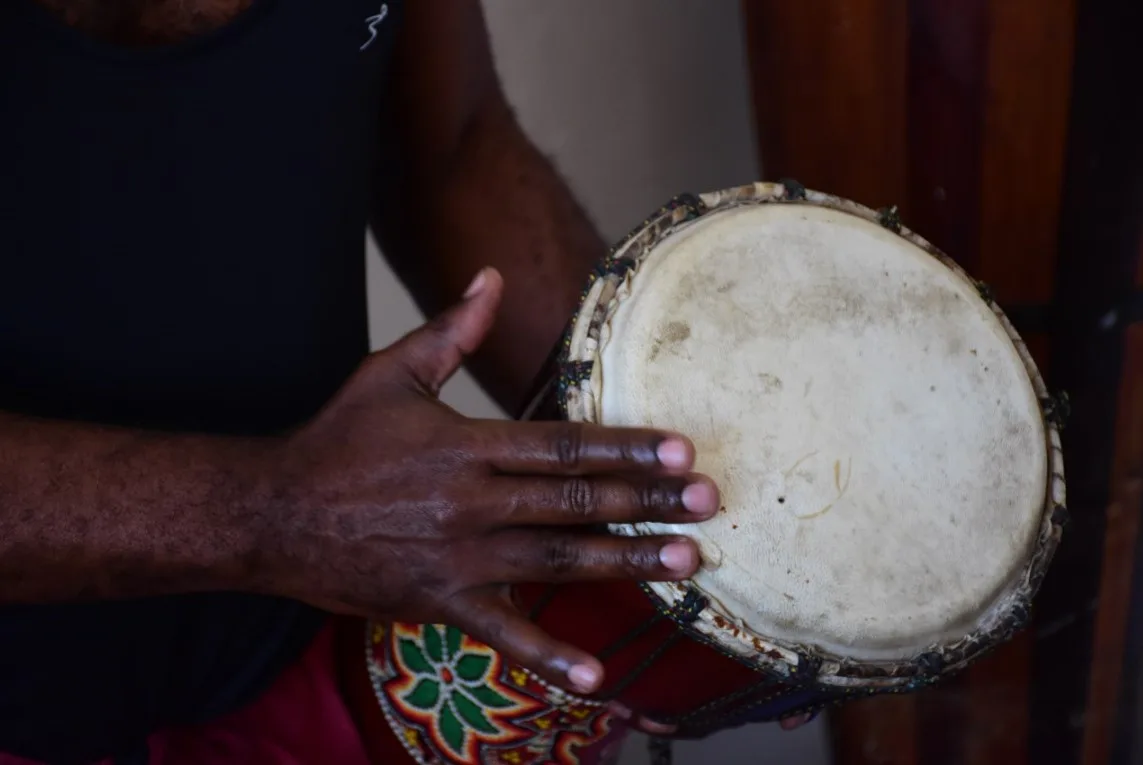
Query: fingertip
x,y
477,284
471,320
586,675
680,557
656,728
676,453
486,282
619,710
640,723
701,496
797,721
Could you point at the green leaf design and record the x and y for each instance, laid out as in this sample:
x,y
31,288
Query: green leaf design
x,y
453,636
413,658
452,731
425,695
472,667
433,642
488,697
471,713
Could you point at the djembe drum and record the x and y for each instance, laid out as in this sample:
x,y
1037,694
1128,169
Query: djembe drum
x,y
890,468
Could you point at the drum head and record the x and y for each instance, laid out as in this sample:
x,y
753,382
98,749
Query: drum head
x,y
875,431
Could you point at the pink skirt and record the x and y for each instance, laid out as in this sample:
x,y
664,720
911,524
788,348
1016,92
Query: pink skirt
x,y
301,720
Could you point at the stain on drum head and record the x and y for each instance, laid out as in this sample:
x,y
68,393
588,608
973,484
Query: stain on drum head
x,y
876,435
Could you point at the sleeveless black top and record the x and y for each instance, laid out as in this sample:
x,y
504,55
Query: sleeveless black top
x,y
181,247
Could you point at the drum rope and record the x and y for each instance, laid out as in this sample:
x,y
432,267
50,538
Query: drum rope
x,y
544,601
713,709
626,640
644,665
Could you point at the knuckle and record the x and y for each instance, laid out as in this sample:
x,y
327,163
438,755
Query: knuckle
x,y
452,523
567,447
580,497
561,557
494,632
656,497
380,368
437,328
638,559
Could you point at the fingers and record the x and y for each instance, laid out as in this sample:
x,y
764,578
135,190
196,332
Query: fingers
x,y
793,723
580,500
641,723
433,352
652,728
557,557
571,448
655,728
489,617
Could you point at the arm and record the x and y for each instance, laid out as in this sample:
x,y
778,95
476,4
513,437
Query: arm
x,y
386,504
88,512
470,190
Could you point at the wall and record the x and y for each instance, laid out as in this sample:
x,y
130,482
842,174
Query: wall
x,y
636,101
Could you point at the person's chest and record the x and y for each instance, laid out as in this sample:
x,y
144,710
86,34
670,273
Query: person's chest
x,y
146,23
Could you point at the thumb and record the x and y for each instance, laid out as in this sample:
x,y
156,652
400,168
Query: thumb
x,y
433,352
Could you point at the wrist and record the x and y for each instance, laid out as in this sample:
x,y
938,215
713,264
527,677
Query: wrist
x,y
250,519
264,521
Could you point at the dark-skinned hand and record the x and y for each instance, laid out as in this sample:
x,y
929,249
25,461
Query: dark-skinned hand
x,y
398,508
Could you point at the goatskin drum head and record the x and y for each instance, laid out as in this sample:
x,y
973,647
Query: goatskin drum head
x,y
873,429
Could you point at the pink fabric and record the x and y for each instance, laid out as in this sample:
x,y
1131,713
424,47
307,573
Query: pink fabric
x,y
301,720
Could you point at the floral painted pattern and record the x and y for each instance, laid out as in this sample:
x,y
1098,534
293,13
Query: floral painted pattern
x,y
454,701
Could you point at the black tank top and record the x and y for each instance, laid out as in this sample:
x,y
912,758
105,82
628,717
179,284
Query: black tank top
x,y
181,247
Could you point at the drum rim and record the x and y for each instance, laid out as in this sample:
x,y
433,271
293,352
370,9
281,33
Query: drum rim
x,y
575,361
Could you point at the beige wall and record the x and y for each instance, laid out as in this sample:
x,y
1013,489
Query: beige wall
x,y
636,101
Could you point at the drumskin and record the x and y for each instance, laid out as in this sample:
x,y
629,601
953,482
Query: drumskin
x,y
876,439
875,424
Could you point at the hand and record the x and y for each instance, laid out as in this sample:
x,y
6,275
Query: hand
x,y
397,507
793,723
656,728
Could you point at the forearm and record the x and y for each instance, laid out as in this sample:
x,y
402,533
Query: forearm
x,y
89,512
497,202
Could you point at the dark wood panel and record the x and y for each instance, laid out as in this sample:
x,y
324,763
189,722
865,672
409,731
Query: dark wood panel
x,y
1024,142
1099,235
829,85
946,75
877,731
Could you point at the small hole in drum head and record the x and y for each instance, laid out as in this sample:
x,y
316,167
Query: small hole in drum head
x,y
781,500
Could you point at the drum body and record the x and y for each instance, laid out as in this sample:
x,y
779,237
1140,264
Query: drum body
x,y
890,468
